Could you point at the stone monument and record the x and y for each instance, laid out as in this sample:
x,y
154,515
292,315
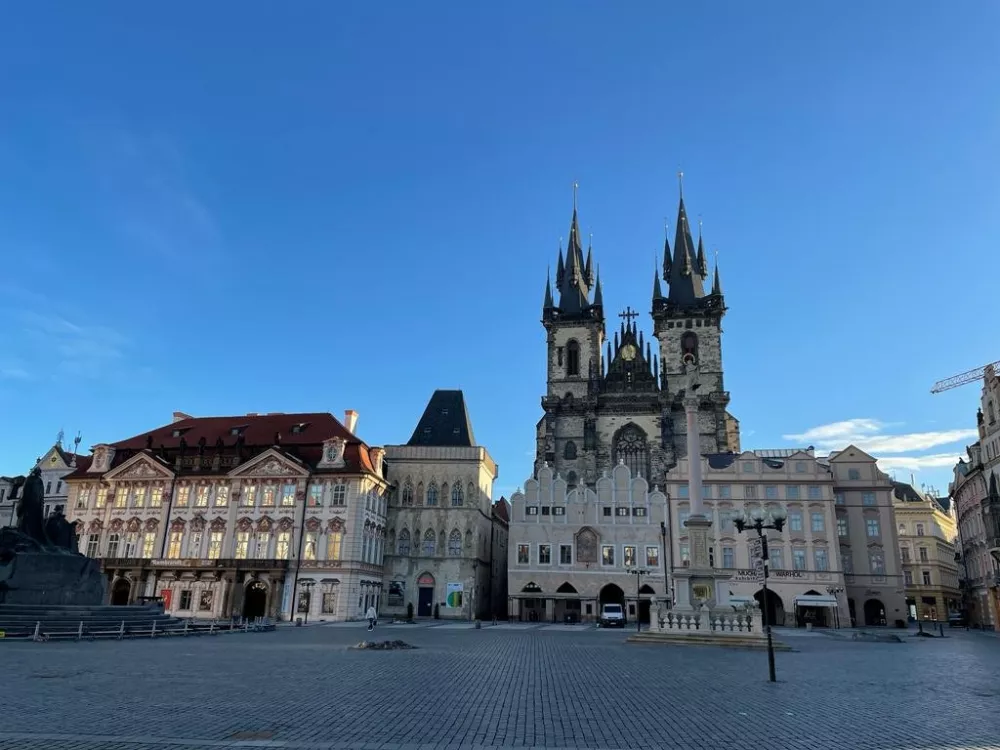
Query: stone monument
x,y
39,562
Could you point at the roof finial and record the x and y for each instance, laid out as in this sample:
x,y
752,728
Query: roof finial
x,y
576,187
680,182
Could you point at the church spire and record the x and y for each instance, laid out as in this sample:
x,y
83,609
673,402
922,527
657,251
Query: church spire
x,y
667,258
598,296
548,304
716,283
657,289
588,270
571,276
560,268
702,267
686,276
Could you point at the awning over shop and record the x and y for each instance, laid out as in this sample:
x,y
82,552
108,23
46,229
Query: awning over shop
x,y
815,600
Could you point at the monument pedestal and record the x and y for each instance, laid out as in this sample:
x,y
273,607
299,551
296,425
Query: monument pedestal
x,y
31,574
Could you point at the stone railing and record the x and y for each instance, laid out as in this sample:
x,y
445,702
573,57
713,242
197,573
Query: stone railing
x,y
718,622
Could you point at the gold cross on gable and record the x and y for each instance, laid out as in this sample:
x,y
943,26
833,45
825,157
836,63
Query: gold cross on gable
x,y
628,315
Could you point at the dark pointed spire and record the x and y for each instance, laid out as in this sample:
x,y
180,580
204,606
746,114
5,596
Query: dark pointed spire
x,y
657,290
573,288
560,267
668,260
702,267
716,283
548,304
598,295
686,280
588,270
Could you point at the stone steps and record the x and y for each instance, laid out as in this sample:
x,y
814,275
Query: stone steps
x,y
753,642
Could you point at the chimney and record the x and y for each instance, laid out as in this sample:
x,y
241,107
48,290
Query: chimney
x,y
180,416
350,420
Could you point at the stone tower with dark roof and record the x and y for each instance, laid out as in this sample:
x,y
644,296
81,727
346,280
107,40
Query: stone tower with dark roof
x,y
625,406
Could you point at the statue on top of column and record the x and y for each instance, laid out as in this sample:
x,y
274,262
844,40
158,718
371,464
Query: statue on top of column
x,y
692,378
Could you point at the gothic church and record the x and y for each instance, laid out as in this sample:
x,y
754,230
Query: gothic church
x,y
615,400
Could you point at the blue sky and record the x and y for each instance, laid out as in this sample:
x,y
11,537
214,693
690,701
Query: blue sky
x,y
232,207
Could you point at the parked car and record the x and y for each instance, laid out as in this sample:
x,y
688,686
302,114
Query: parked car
x,y
612,616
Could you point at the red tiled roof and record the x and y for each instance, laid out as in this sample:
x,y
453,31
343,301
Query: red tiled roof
x,y
502,509
258,433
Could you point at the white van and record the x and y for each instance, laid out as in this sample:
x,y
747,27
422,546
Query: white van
x,y
612,616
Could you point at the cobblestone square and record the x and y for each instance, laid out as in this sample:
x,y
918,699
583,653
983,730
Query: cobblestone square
x,y
303,688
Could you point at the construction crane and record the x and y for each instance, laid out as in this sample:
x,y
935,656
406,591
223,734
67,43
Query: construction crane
x,y
963,379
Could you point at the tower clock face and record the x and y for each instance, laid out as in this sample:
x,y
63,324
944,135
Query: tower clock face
x,y
628,352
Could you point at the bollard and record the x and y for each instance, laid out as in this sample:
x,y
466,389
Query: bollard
x,y
38,632
152,633
211,628
186,623
246,626
941,628
79,631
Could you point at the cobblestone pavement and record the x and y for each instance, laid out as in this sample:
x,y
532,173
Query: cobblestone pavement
x,y
304,689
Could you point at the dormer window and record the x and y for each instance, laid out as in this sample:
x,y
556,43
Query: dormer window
x,y
427,430
299,427
180,431
444,412
237,431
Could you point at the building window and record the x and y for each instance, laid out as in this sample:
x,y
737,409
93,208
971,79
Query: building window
x,y
749,491
607,554
792,492
249,495
820,560
818,523
185,600
546,510
194,544
868,498
48,488
638,512
559,510
853,474
288,495
174,548
544,554
838,498
82,498
572,358
131,543
923,554
148,544
455,543
113,541
404,543
309,550
926,575
904,554
728,558
653,558
907,578
565,554
798,559
456,495
795,522
339,494
522,554
316,496
842,527
815,492
682,491
776,558
334,540
628,556
222,496
770,492
242,545
139,497
430,543
920,529
724,491
800,467
877,561
156,497
847,562
93,545
329,603
214,545
619,511
267,496
532,510
263,545
872,527
102,497
283,545
121,497
726,520
748,467
606,511
685,553
201,497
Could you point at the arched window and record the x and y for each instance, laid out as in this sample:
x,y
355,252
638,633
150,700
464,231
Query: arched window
x,y
456,495
420,494
429,543
407,493
571,479
632,450
689,347
432,494
455,543
470,493
569,452
572,358
404,542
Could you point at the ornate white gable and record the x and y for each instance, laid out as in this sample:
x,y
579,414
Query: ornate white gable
x,y
333,454
270,464
104,454
140,467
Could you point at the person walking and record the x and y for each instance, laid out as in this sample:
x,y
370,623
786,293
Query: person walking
x,y
372,616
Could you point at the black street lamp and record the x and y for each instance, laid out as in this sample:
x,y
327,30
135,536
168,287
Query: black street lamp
x,y
638,573
835,592
758,520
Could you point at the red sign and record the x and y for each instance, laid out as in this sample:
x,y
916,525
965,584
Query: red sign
x,y
425,580
166,594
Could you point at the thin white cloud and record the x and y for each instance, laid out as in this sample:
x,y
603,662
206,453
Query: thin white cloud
x,y
871,435
918,463
78,349
14,373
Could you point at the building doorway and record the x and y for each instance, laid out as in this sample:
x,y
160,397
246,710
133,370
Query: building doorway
x,y
568,609
773,607
120,592
611,594
255,600
874,612
805,614
425,595
644,594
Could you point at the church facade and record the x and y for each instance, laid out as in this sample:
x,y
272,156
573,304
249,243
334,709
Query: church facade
x,y
617,400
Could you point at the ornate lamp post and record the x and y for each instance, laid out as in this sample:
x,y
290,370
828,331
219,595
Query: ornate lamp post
x,y
759,521
638,573
835,592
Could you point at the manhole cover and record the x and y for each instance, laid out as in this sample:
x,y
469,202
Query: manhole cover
x,y
262,734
